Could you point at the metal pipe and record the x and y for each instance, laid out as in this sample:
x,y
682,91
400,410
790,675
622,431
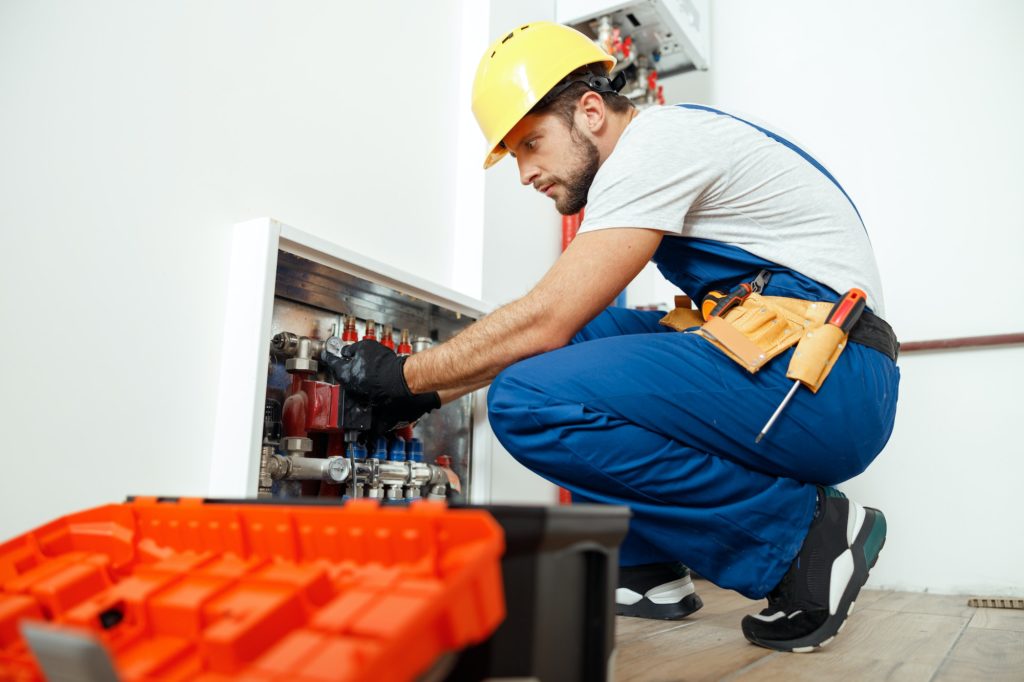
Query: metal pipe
x,y
393,473
394,476
329,469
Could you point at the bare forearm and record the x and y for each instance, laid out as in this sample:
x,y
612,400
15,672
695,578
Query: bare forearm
x,y
585,279
450,394
480,352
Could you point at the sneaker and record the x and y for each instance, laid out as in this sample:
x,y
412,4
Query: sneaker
x,y
809,607
659,591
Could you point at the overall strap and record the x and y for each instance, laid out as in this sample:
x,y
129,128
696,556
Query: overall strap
x,y
786,143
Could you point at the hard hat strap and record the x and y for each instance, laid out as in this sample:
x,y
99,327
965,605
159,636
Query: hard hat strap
x,y
593,81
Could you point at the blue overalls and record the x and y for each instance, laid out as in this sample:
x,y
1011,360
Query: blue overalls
x,y
637,414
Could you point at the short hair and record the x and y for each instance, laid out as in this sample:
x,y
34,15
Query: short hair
x,y
562,102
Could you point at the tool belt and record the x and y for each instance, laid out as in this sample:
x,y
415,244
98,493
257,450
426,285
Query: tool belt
x,y
763,327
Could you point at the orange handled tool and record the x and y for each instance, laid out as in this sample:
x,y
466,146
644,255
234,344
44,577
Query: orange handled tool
x,y
844,315
716,304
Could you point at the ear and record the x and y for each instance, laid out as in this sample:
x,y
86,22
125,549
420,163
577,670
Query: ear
x,y
592,111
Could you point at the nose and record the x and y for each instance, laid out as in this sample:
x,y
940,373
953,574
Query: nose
x,y
527,172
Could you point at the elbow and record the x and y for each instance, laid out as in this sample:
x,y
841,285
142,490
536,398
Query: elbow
x,y
546,327
549,336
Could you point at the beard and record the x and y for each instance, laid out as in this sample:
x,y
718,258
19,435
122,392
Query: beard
x,y
577,182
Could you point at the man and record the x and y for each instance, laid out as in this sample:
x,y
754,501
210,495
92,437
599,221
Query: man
x,y
622,410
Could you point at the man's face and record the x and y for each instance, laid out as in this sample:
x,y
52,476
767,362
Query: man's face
x,y
557,160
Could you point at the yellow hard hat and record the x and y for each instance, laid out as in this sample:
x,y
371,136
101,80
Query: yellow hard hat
x,y
519,69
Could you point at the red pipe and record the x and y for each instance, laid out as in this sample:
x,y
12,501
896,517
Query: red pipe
x,y
570,226
294,410
311,408
963,342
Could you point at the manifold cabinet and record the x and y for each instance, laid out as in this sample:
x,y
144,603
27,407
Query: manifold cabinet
x,y
281,424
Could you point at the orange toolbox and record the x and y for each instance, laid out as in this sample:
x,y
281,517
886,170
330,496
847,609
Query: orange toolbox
x,y
200,590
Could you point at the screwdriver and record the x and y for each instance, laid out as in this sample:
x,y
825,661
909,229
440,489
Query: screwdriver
x,y
844,315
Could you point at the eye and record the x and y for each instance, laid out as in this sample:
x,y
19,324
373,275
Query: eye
x,y
531,145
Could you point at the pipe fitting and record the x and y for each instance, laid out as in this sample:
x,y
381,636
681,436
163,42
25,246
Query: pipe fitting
x,y
328,469
285,344
297,446
278,467
301,366
299,351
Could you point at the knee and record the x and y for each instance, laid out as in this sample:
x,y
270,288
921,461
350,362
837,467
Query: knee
x,y
508,399
524,417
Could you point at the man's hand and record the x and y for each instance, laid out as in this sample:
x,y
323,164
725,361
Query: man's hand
x,y
374,373
401,411
370,370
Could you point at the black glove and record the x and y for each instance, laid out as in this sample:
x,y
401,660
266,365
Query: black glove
x,y
399,412
374,373
370,370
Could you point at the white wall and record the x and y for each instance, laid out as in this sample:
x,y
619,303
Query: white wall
x,y
948,480
916,108
133,136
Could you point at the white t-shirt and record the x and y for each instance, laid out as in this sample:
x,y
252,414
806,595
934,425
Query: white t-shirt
x,y
696,173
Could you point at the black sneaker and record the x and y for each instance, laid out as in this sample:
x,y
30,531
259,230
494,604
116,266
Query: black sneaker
x,y
810,605
660,591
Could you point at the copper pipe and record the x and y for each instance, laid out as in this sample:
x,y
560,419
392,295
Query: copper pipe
x,y
963,342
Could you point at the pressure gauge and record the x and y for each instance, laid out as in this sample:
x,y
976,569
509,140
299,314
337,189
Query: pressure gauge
x,y
333,346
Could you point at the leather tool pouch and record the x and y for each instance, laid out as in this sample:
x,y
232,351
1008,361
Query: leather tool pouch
x,y
762,327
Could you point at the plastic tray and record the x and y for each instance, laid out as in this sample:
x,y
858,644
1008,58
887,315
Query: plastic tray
x,y
189,590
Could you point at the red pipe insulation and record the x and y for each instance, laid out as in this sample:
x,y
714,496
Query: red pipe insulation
x,y
963,342
570,226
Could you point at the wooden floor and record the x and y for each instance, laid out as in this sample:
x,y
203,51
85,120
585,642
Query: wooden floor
x,y
890,636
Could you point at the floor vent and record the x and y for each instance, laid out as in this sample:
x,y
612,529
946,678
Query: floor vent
x,y
996,602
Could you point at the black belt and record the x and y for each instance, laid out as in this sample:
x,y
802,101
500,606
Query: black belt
x,y
874,332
